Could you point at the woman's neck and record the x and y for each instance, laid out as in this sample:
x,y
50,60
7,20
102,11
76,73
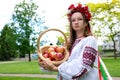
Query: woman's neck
x,y
79,34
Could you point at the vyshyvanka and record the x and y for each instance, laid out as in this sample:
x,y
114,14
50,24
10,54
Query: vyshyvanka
x,y
83,62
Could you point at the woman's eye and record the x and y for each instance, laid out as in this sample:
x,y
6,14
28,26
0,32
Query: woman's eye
x,y
73,20
80,19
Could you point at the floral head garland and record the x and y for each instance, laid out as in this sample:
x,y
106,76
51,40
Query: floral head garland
x,y
83,9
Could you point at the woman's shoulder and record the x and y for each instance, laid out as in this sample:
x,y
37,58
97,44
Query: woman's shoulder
x,y
90,41
93,38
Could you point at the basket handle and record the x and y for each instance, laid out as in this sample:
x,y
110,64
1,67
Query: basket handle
x,y
52,29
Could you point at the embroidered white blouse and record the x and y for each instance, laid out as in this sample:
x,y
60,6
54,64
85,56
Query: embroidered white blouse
x,y
81,62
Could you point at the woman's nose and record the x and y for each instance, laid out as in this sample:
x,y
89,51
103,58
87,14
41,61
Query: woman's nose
x,y
76,21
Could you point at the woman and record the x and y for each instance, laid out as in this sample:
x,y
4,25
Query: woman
x,y
83,60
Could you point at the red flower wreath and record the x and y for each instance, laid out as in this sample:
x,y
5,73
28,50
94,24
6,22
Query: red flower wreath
x,y
83,9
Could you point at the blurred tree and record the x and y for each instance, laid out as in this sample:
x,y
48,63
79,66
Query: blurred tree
x,y
106,17
8,48
25,19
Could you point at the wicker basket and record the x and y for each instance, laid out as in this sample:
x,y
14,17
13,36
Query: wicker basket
x,y
43,48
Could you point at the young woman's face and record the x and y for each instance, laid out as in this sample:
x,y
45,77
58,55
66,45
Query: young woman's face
x,y
77,21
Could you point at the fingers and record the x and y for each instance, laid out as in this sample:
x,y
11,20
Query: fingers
x,y
45,64
40,62
39,59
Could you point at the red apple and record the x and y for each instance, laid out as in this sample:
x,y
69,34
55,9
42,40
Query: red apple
x,y
51,49
59,56
46,55
52,55
60,49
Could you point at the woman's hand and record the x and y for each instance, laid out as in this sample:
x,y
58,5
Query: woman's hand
x,y
40,62
47,65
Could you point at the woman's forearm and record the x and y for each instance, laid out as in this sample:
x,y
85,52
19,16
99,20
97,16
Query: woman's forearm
x,y
55,68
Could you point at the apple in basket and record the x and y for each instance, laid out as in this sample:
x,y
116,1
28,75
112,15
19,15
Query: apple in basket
x,y
51,49
59,56
60,49
54,53
45,54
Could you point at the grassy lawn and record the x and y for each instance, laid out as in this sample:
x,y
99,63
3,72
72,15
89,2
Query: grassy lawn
x,y
22,67
112,65
24,78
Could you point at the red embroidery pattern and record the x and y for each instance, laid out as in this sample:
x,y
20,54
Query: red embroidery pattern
x,y
89,56
76,42
82,72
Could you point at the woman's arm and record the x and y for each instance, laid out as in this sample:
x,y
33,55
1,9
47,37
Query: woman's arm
x,y
81,64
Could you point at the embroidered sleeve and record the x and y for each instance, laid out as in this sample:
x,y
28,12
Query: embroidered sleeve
x,y
89,55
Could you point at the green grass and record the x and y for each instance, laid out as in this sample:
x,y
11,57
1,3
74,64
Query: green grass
x,y
22,67
24,78
113,66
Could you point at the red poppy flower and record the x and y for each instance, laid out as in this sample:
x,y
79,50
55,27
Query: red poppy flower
x,y
71,7
83,9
